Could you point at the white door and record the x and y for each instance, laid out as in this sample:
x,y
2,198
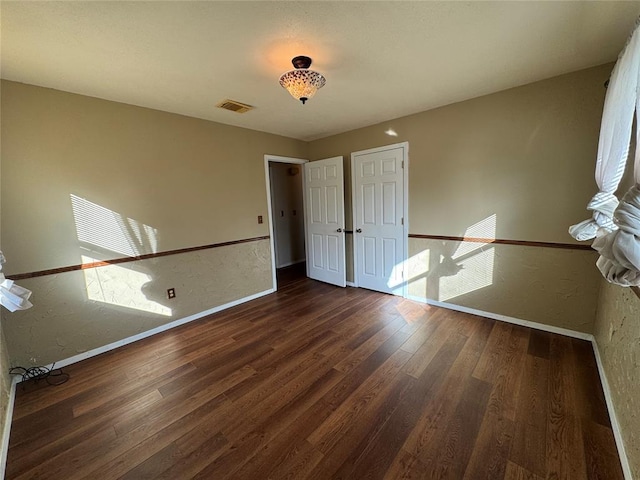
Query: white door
x,y
324,220
379,208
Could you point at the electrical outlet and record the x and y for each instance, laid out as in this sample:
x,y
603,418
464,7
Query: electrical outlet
x,y
259,218
171,293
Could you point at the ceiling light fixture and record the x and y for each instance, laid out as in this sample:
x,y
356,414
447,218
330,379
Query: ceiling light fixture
x,y
302,83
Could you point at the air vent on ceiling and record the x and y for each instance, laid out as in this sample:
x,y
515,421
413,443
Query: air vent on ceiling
x,y
234,106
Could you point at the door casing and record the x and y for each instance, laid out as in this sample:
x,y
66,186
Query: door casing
x,y
267,176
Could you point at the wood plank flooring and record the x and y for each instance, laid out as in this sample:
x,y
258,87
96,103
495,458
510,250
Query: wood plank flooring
x,y
319,382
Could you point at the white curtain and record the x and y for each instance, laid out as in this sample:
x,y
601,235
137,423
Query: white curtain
x,y
616,225
619,251
12,296
613,147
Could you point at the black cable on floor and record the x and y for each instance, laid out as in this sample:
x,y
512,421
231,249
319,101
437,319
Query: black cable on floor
x,y
53,376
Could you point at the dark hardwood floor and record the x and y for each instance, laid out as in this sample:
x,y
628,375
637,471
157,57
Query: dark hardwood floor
x,y
290,274
320,382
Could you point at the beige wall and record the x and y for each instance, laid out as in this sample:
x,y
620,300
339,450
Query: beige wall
x,y
617,333
86,179
515,165
526,155
192,181
82,310
545,285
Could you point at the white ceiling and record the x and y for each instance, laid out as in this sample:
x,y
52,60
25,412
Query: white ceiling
x,y
382,60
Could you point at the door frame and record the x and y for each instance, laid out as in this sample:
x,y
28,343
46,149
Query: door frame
x,y
267,175
405,210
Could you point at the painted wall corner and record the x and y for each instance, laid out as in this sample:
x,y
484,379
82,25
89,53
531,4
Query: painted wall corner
x,y
617,334
5,385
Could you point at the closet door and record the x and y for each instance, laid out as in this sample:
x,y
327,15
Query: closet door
x,y
379,211
324,220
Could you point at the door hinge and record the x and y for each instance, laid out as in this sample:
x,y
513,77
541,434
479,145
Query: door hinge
x,y
402,221
402,164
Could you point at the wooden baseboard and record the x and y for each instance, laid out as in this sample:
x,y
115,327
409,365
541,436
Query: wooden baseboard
x,y
116,261
504,241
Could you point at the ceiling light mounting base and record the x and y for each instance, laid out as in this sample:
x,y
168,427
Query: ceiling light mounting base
x,y
301,62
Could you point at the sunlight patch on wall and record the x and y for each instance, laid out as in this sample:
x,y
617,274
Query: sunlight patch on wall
x,y
414,267
476,273
417,269
473,259
117,285
483,229
107,229
101,229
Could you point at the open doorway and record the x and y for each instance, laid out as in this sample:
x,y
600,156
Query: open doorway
x,y
286,218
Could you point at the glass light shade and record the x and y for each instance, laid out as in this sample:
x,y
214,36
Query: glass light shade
x,y
302,84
